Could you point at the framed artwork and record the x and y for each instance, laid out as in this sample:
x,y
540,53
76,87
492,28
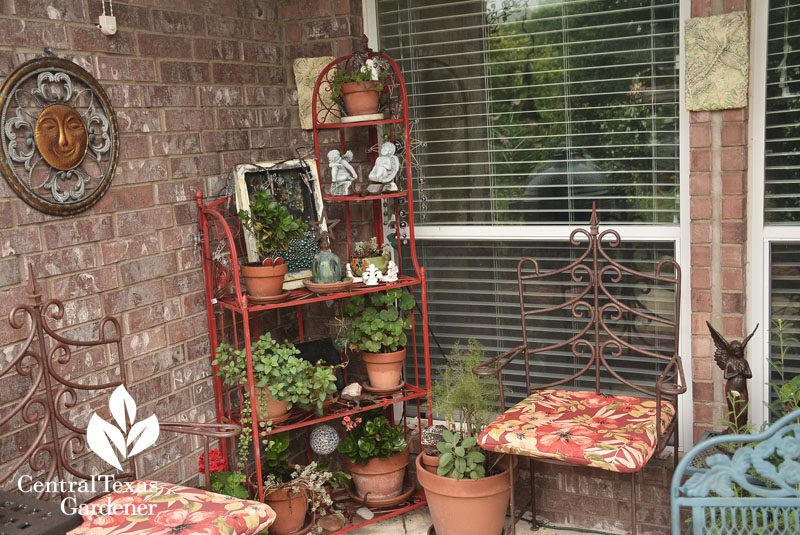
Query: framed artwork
x,y
294,184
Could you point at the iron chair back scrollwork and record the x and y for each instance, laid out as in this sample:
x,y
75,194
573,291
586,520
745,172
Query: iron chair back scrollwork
x,y
609,322
742,484
47,419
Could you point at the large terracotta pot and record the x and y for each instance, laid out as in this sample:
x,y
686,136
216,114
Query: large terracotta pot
x,y
268,407
361,98
290,510
380,478
264,281
466,506
384,369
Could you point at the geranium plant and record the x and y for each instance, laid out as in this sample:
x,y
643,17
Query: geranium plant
x,y
379,326
221,480
371,438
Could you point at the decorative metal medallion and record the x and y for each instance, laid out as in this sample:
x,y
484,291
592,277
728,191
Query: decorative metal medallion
x,y
59,136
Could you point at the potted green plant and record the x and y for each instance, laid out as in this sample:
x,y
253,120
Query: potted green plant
x,y
378,331
468,494
358,83
294,494
369,252
273,227
376,455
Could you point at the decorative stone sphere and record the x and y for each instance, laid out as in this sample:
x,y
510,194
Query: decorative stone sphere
x,y
324,439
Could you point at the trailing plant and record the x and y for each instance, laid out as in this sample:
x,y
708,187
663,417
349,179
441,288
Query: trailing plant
x,y
371,438
379,327
271,224
460,457
309,480
365,249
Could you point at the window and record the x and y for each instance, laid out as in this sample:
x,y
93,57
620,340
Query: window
x,y
530,111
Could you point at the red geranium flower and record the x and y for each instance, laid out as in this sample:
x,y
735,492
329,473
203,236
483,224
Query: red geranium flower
x,y
216,463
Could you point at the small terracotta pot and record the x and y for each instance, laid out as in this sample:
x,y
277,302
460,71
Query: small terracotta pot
x,y
268,407
264,281
290,510
360,263
466,506
361,98
380,478
430,462
384,369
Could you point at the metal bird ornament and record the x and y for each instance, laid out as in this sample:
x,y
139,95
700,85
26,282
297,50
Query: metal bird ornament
x,y
729,356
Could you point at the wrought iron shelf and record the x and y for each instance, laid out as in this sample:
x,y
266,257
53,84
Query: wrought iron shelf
x,y
393,195
374,122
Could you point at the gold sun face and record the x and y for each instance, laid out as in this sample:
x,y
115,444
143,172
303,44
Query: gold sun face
x,y
61,136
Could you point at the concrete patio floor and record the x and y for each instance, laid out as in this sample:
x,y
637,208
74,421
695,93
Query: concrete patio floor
x,y
416,522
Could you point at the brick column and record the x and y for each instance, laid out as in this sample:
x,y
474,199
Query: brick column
x,y
718,168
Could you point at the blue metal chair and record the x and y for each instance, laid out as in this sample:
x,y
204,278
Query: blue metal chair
x,y
753,490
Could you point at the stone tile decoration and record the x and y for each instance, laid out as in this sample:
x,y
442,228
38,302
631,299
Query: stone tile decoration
x,y
717,62
306,72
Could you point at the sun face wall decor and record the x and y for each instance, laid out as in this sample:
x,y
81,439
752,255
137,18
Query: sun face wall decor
x,y
59,136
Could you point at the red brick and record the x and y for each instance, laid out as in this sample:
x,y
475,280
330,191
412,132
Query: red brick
x,y
700,161
262,53
699,323
6,214
703,391
131,17
132,146
161,96
701,232
700,135
77,232
733,134
294,33
237,118
217,49
734,159
733,208
733,183
178,237
151,316
732,326
179,331
198,348
272,137
131,297
194,303
164,46
701,278
703,369
90,39
225,140
64,261
310,49
127,248
142,171
188,259
10,273
34,34
221,96
698,431
699,116
302,8
232,73
160,361
732,303
19,241
275,75
342,7
701,301
733,232
186,213
178,191
194,166
700,208
138,120
701,255
704,413
275,117
732,280
228,27
735,115
264,96
267,32
83,284
732,256
66,10
27,215
118,199
118,68
183,120
143,221
6,62
184,283
125,96
176,144
183,72
172,22
151,267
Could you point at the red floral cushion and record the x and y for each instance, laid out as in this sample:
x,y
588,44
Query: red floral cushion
x,y
173,510
615,433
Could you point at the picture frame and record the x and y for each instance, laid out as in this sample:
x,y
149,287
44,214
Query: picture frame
x,y
295,184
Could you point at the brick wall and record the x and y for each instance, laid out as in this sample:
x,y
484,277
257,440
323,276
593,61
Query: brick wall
x,y
718,178
198,86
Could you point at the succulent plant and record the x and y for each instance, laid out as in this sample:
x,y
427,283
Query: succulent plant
x,y
460,458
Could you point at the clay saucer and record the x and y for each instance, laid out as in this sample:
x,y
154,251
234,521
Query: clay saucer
x,y
302,531
382,502
269,299
327,288
373,390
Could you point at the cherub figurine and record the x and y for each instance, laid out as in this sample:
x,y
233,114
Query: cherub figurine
x,y
342,173
729,356
386,167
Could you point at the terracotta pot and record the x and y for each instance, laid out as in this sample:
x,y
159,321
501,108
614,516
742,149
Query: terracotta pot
x,y
361,98
264,281
380,478
290,510
268,407
466,506
430,462
360,263
384,369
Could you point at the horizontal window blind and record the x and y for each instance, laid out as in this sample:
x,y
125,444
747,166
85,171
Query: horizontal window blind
x,y
473,293
784,307
782,135
532,110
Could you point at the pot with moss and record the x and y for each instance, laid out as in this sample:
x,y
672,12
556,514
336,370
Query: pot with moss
x,y
378,331
369,252
272,227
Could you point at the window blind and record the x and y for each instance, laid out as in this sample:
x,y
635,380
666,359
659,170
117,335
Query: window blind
x,y
782,156
532,110
784,308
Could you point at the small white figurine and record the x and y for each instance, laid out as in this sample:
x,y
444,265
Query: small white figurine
x,y
391,272
342,173
372,275
386,167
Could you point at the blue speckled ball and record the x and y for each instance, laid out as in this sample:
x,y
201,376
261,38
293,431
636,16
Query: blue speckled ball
x,y
324,439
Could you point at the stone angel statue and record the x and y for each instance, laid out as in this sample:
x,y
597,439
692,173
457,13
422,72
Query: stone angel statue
x,y
729,356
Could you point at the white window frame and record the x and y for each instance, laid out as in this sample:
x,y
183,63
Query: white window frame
x,y
676,234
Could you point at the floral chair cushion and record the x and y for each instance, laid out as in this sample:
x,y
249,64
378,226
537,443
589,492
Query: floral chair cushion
x,y
615,433
163,509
